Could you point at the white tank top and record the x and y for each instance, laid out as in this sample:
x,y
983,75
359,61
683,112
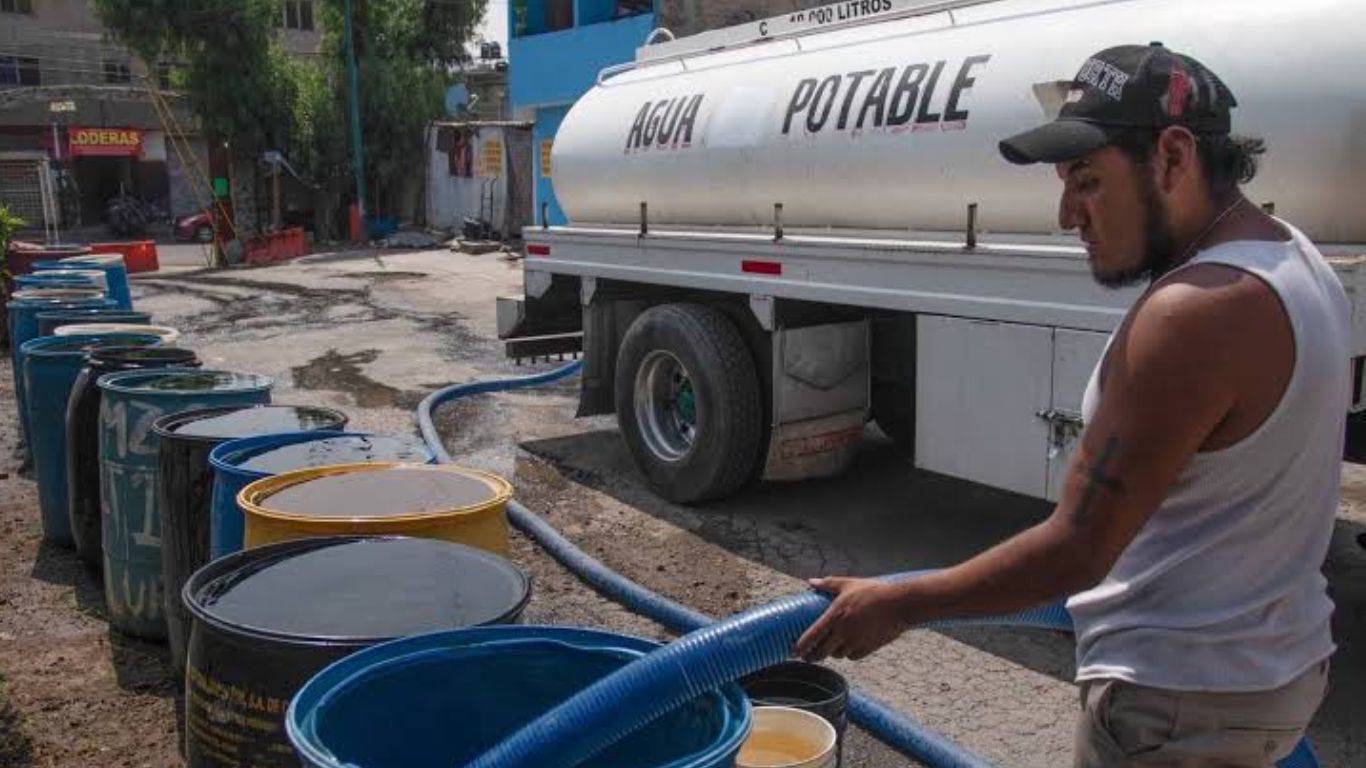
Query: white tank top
x,y
1221,590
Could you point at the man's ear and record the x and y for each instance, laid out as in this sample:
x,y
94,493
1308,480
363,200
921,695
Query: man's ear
x,y
1176,158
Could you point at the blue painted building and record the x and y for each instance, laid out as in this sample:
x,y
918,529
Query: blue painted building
x,y
556,49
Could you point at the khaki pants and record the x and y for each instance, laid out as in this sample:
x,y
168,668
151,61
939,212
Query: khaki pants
x,y
1123,724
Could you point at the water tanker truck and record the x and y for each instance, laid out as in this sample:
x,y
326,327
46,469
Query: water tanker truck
x,y
781,230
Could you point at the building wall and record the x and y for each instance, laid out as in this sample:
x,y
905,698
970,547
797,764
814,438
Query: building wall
x,y
183,181
556,68
551,70
548,121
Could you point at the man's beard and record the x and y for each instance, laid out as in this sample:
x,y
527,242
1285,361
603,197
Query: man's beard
x,y
1159,245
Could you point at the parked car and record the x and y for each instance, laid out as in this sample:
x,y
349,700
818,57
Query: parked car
x,y
196,226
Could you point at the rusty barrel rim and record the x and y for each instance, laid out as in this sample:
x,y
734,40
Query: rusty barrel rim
x,y
254,498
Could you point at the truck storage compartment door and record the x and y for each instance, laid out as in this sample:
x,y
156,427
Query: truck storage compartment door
x,y
1075,354
979,388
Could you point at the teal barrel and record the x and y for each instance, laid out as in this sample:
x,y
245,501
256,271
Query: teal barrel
x,y
51,366
116,273
237,463
344,717
24,307
129,403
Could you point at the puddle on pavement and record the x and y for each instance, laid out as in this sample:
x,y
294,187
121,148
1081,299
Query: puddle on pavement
x,y
385,277
342,373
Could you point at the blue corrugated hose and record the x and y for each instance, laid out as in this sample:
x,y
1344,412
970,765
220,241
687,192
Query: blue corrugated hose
x,y
710,654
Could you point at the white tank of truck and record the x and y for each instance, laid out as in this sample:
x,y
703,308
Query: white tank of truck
x,y
893,125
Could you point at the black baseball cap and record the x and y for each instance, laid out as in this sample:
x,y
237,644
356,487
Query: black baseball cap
x,y
1125,88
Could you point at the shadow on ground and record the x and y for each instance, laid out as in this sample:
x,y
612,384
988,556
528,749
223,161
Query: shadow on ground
x,y
139,666
881,516
16,751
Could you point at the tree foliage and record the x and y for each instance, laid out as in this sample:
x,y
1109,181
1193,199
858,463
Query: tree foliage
x,y
246,89
235,73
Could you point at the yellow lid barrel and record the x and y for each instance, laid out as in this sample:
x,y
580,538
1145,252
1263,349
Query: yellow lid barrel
x,y
374,498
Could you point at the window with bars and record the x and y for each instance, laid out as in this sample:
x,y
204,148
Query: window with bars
x,y
16,6
116,72
299,14
19,70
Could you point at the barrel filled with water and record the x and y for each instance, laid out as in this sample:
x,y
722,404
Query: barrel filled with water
x,y
22,324
83,437
460,693
267,619
185,487
116,273
129,403
238,463
51,367
439,502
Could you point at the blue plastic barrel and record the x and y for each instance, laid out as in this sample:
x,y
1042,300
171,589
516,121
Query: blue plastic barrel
x,y
115,271
344,716
24,307
237,463
51,321
66,278
51,366
129,403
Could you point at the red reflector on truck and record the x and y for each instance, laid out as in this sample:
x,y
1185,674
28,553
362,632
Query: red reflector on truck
x,y
538,250
762,267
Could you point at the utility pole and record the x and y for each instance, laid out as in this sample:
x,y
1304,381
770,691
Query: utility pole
x,y
353,88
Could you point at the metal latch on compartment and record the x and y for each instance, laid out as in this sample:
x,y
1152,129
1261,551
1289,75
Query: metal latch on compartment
x,y
1063,425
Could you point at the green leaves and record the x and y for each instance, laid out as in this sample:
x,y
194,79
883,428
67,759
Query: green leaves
x,y
246,89
9,224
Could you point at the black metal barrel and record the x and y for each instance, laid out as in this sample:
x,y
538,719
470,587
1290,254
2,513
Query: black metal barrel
x,y
185,487
267,619
83,438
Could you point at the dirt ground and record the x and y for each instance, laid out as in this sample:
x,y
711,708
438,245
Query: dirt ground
x,y
371,333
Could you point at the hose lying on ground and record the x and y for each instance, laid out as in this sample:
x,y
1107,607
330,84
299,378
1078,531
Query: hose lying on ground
x,y
709,655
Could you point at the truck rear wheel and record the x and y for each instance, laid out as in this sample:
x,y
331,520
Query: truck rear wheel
x,y
688,402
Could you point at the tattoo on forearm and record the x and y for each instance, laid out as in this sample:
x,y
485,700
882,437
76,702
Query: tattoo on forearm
x,y
1097,478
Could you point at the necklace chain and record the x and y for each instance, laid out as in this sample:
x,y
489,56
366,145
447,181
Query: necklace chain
x,y
1198,238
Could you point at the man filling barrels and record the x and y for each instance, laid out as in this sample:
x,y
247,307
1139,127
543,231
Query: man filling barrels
x,y
1200,503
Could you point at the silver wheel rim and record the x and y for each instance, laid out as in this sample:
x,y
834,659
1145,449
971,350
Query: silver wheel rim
x,y
665,404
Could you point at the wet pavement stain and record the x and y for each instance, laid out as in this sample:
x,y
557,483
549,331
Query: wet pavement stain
x,y
384,277
342,373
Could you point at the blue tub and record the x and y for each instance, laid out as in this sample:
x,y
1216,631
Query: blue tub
x,y
115,271
24,307
129,402
232,462
462,691
51,366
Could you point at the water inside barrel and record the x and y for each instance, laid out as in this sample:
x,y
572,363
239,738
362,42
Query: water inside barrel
x,y
336,450
369,589
380,493
202,381
262,420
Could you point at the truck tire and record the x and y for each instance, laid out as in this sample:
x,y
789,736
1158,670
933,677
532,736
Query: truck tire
x,y
688,402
